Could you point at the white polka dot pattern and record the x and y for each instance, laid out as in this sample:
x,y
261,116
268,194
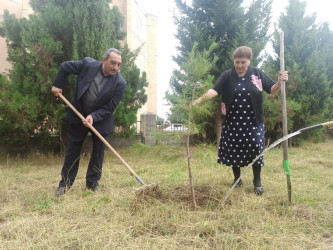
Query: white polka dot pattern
x,y
241,140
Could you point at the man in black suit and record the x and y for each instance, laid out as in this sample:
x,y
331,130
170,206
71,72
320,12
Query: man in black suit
x,y
98,91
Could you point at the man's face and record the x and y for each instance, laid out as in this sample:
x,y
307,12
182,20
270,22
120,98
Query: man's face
x,y
111,65
241,64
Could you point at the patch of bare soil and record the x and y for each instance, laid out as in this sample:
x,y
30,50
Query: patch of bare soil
x,y
205,195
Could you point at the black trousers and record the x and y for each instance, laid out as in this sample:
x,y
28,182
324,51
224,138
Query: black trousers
x,y
76,135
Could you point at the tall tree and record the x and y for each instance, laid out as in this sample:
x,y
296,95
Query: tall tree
x,y
326,45
225,22
222,21
309,92
58,31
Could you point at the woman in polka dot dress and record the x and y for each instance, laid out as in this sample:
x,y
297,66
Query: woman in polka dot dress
x,y
242,138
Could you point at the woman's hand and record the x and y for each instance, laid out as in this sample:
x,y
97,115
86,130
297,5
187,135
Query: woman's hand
x,y
194,102
283,76
211,93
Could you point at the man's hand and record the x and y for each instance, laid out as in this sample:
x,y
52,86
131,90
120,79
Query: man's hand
x,y
56,91
88,120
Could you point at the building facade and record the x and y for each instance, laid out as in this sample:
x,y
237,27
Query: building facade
x,y
141,33
141,30
21,9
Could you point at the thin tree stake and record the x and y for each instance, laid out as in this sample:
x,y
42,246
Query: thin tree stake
x,y
189,154
284,115
190,170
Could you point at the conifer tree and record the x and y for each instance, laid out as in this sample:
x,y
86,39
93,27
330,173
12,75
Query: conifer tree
x,y
229,25
307,56
195,74
57,32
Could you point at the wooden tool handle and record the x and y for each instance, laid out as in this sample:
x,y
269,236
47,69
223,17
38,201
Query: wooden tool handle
x,y
102,139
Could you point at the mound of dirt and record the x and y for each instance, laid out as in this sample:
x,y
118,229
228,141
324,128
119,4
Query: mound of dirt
x,y
204,195
149,191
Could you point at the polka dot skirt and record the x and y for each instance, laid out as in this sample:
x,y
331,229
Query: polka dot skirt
x,y
241,139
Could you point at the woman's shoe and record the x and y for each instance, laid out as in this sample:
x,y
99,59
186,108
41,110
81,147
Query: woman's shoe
x,y
239,184
258,190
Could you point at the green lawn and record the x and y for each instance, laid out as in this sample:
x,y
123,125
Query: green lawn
x,y
117,217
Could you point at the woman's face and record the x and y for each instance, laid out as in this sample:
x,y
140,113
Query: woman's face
x,y
241,64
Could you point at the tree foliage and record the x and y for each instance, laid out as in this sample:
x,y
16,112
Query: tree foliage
x,y
222,21
58,31
134,96
195,74
196,77
308,57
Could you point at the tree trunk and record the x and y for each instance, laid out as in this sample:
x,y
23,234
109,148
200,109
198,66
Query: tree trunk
x,y
190,169
218,128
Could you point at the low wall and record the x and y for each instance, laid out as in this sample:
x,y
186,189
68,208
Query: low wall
x,y
174,138
55,145
52,144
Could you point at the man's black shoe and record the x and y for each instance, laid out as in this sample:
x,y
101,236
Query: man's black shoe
x,y
60,191
93,187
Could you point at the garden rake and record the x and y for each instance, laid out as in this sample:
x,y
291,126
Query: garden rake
x,y
149,187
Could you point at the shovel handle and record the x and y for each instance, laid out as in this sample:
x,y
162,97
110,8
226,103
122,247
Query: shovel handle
x,y
101,138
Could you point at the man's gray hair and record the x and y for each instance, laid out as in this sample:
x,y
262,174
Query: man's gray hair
x,y
107,53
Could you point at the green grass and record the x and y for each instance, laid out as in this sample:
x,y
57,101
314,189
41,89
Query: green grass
x,y
116,217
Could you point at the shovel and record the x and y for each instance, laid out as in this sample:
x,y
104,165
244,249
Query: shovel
x,y
103,140
277,142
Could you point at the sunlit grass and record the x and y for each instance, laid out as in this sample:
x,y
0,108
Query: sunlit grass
x,y
116,217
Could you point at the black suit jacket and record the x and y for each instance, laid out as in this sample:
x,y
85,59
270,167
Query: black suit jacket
x,y
107,100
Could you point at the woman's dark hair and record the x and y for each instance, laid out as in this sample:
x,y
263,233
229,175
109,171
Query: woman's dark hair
x,y
242,51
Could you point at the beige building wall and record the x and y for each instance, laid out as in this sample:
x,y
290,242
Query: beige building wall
x,y
123,6
21,9
151,66
141,30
